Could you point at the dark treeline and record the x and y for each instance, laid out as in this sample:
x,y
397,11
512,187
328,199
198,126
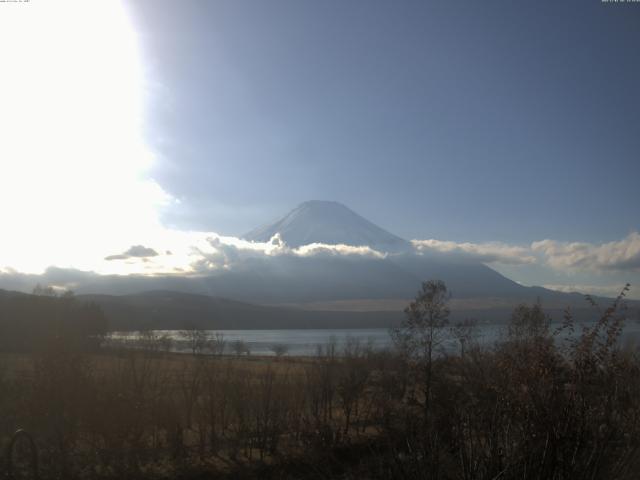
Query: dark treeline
x,y
30,323
531,406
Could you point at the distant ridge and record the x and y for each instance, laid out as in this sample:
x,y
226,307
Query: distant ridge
x,y
319,221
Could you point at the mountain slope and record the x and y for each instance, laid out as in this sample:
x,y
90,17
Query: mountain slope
x,y
177,310
319,221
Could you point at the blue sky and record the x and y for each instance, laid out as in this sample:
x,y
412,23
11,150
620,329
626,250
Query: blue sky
x,y
470,121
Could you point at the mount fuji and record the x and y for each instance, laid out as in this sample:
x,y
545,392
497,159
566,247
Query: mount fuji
x,y
398,274
332,223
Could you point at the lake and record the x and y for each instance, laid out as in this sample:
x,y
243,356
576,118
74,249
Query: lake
x,y
305,342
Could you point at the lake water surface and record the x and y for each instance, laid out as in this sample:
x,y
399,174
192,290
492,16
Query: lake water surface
x,y
305,342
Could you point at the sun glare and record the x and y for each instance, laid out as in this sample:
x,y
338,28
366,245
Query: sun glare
x,y
72,152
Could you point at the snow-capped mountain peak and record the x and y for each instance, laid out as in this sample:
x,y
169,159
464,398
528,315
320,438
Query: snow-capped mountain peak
x,y
328,222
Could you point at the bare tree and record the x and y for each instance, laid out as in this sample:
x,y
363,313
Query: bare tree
x,y
240,347
423,331
217,344
465,333
279,349
528,322
44,291
165,343
196,339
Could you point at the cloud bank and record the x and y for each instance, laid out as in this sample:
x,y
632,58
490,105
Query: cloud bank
x,y
618,256
491,252
602,290
186,253
173,251
189,256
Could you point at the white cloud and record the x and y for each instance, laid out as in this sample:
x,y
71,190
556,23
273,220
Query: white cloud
x,y
202,252
602,290
617,256
490,252
229,252
339,249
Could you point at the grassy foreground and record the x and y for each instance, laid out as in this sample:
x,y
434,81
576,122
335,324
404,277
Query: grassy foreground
x,y
528,407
